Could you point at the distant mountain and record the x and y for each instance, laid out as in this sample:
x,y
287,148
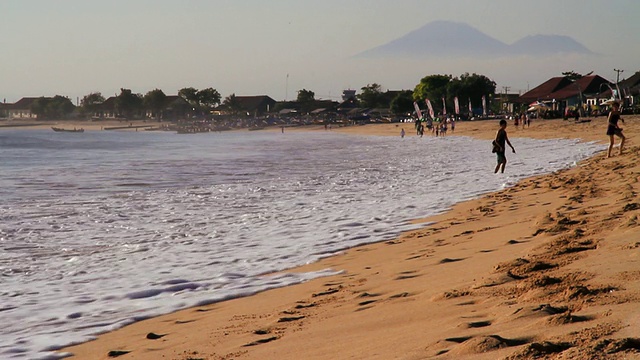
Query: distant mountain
x,y
548,44
447,38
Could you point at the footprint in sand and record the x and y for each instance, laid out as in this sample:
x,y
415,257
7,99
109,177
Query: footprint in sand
x,y
261,341
407,275
326,292
450,260
477,324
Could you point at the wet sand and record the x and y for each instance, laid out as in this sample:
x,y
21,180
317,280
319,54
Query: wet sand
x,y
549,268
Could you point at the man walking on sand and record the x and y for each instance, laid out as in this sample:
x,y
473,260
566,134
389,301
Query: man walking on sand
x,y
501,139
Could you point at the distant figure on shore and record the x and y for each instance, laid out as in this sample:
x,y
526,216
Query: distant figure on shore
x,y
282,129
453,124
500,140
402,133
614,129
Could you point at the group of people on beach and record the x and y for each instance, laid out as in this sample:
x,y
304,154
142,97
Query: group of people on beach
x,y
438,127
523,119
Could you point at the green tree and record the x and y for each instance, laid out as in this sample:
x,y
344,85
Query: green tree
x,y
202,100
432,87
208,98
191,95
128,103
370,97
52,108
306,100
91,102
306,96
231,102
572,75
154,100
472,87
402,103
39,106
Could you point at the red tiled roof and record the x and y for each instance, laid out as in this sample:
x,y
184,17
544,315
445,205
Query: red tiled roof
x,y
542,91
585,85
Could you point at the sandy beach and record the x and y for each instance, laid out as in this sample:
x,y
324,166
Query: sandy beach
x,y
549,268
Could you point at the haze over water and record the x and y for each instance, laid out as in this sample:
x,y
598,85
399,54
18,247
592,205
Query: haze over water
x,y
102,229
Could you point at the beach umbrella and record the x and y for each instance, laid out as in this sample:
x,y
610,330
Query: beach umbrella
x,y
534,106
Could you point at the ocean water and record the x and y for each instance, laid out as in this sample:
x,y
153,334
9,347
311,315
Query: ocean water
x,y
102,229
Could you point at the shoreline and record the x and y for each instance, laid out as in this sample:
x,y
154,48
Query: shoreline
x,y
452,266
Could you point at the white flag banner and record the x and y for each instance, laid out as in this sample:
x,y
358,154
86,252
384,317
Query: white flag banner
x,y
456,105
484,106
431,112
418,112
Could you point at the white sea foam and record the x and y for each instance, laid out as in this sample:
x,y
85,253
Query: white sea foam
x,y
105,229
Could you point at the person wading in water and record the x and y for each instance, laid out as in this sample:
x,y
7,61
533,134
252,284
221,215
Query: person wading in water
x,y
501,139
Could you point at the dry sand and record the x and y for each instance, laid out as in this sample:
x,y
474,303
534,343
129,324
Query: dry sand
x,y
549,268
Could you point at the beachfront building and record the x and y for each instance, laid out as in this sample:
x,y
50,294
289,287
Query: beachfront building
x,y
561,93
3,110
106,110
255,105
174,107
542,92
21,109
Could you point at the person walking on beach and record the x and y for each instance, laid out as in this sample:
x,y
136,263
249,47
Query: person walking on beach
x,y
402,133
500,140
614,129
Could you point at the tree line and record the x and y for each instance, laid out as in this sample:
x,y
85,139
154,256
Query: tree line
x,y
131,105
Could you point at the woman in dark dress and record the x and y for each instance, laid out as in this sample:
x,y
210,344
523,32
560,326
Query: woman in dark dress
x,y
614,129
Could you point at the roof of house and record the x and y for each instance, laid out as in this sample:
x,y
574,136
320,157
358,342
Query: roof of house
x,y
628,86
542,91
250,103
109,103
630,82
585,85
24,103
175,100
350,103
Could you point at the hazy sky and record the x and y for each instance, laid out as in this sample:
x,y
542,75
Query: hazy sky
x,y
247,47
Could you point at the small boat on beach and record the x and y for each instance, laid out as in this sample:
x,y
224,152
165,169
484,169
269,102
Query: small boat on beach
x,y
57,129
